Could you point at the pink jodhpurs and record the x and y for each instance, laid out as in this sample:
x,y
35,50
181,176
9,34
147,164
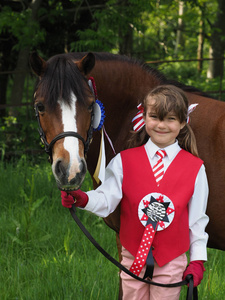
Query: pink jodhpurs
x,y
170,273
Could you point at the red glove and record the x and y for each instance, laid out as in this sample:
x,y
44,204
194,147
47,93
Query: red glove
x,y
78,197
196,268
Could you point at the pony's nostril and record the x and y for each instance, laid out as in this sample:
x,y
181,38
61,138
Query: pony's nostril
x,y
60,169
83,167
78,179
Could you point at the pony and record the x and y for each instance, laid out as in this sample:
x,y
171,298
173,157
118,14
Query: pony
x,y
64,105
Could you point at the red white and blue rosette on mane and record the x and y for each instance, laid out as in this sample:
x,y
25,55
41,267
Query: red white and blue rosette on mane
x,y
98,125
99,115
98,108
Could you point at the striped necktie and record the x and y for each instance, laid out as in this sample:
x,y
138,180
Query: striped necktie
x,y
158,168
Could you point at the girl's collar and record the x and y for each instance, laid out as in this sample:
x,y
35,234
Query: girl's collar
x,y
151,149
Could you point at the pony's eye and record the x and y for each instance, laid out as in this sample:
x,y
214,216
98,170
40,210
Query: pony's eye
x,y
41,107
90,107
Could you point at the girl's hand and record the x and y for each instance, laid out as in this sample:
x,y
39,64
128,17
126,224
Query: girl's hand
x,y
196,268
78,197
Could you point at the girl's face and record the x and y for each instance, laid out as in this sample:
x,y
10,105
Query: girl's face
x,y
162,132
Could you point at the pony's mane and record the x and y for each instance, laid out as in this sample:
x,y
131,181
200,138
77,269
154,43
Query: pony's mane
x,y
63,77
104,56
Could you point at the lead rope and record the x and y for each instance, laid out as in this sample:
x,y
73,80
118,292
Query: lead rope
x,y
192,292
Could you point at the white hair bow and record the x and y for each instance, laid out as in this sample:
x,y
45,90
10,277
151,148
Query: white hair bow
x,y
191,108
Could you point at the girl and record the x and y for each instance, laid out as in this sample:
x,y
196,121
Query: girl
x,y
162,187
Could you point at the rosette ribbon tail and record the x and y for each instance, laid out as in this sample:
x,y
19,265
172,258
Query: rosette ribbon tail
x,y
144,253
99,174
150,261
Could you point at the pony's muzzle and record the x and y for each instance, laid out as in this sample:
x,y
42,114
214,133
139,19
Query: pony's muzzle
x,y
69,176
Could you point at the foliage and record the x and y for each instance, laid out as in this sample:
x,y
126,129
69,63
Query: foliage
x,y
20,25
100,25
186,72
154,24
159,37
19,134
110,25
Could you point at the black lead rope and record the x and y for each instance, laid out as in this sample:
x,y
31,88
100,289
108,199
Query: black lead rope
x,y
192,291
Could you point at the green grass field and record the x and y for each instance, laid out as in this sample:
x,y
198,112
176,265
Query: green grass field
x,y
44,255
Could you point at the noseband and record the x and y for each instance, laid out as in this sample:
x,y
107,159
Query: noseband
x,y
49,146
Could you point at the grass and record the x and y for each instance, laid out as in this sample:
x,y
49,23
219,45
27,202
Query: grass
x,y
44,255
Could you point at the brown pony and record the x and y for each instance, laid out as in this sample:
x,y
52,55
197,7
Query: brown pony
x,y
64,107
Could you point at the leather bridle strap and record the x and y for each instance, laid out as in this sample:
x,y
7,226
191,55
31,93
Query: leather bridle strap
x,y
192,291
49,146
65,134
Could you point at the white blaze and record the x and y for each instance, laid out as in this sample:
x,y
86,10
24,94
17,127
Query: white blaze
x,y
71,143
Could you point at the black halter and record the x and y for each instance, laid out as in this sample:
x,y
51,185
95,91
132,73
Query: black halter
x,y
48,147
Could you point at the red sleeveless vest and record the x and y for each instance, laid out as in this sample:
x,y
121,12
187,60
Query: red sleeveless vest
x,y
177,184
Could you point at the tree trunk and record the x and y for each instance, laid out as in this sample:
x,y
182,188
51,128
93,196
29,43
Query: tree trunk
x,y
3,89
126,46
217,43
179,39
6,64
201,40
19,79
22,64
125,35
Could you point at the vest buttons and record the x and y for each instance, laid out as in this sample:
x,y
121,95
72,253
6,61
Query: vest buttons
x,y
153,248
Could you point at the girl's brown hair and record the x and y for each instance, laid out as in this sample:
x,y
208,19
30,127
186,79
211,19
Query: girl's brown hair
x,y
168,98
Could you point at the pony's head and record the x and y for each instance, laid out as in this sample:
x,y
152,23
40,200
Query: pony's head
x,y
64,108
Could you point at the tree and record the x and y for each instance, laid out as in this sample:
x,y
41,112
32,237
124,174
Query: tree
x,y
113,27
180,29
21,26
27,26
217,43
5,66
24,51
201,38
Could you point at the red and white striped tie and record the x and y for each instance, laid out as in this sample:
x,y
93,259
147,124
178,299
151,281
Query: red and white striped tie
x,y
158,168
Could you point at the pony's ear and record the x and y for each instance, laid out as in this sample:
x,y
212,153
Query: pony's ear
x,y
86,64
37,64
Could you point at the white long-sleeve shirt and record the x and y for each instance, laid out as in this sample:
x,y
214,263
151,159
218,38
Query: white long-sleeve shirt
x,y
108,195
